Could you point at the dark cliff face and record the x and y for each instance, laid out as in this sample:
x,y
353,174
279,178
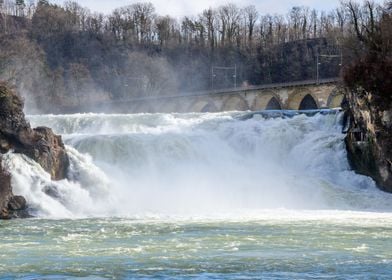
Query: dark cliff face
x,y
40,144
5,192
369,138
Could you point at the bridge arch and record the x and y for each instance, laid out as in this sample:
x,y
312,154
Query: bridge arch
x,y
308,103
235,103
203,106
267,101
335,99
302,100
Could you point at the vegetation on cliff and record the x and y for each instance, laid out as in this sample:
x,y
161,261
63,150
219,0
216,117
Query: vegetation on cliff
x,y
371,52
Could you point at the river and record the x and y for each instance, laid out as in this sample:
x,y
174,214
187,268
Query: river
x,y
210,196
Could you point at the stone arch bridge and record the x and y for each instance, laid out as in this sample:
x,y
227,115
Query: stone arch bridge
x,y
302,95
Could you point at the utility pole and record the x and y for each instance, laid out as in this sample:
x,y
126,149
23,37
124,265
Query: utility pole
x,y
317,69
213,75
341,59
235,76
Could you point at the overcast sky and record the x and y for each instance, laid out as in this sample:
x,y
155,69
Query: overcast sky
x,y
179,8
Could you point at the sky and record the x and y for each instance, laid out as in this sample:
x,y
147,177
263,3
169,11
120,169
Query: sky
x,y
180,8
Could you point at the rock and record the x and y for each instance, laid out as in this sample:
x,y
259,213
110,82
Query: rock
x,y
50,153
52,191
5,192
17,203
17,207
387,118
369,138
40,144
11,206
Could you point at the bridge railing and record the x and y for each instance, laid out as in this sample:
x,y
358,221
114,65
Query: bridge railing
x,y
265,86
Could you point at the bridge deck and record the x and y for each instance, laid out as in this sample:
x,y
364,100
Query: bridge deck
x,y
243,98
233,90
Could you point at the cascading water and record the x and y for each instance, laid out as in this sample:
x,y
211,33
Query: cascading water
x,y
195,164
198,196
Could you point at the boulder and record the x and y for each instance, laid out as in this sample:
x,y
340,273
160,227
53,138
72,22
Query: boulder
x,y
17,203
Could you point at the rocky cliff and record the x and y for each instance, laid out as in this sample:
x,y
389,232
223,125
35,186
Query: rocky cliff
x,y
40,144
369,138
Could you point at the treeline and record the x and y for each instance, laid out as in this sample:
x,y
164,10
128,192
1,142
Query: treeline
x,y
370,48
70,55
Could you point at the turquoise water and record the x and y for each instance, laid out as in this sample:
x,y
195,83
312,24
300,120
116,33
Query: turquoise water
x,y
198,196
280,245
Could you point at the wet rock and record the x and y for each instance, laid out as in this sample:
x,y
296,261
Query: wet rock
x,y
49,152
17,203
369,138
5,193
52,191
40,144
11,206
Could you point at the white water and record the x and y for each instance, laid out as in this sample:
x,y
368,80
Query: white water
x,y
196,165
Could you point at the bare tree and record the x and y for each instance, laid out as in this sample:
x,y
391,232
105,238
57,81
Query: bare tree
x,y
20,7
314,22
230,16
164,29
144,14
251,17
354,11
208,18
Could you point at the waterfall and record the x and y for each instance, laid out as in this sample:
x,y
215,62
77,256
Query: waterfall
x,y
195,164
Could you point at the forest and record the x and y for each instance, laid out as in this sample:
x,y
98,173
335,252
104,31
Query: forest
x,y
68,55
